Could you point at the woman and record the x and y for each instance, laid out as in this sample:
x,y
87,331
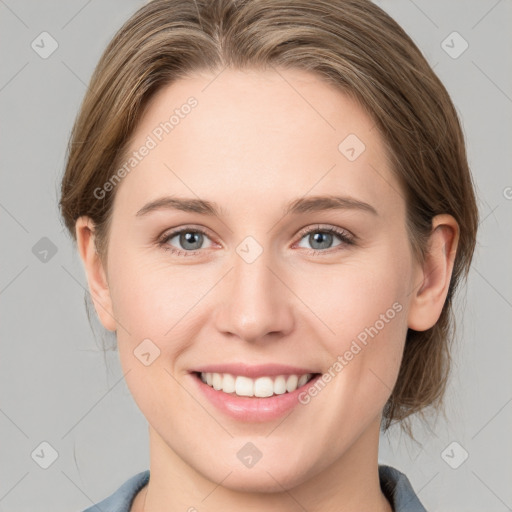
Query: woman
x,y
273,206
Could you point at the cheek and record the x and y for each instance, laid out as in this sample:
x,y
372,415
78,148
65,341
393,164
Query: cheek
x,y
154,304
356,295
363,307
153,299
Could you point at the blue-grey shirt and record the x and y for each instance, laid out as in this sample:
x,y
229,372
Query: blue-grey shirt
x,y
394,484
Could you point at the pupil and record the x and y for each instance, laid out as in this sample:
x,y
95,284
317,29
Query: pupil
x,y
187,238
319,238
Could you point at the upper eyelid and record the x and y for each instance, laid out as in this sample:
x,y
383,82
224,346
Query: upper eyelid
x,y
328,227
171,233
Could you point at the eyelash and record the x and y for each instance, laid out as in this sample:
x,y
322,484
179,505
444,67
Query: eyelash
x,y
345,237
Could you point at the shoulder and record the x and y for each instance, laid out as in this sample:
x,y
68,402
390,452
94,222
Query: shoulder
x,y
121,499
398,490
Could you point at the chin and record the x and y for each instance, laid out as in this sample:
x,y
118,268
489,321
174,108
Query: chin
x,y
260,481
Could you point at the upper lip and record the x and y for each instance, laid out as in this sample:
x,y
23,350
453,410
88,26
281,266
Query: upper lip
x,y
253,371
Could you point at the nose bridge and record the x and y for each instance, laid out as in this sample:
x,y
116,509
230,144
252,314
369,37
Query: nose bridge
x,y
255,302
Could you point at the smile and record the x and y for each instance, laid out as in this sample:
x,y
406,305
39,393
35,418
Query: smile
x,y
267,395
261,387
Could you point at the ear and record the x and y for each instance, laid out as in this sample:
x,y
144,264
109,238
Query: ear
x,y
435,274
96,275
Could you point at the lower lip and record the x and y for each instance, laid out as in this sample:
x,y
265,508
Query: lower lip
x,y
253,409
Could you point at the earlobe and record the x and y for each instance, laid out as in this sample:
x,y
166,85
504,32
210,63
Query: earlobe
x,y
96,276
429,296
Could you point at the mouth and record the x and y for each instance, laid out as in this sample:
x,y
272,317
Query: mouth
x,y
261,387
253,393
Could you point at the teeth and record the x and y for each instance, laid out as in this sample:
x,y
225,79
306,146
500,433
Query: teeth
x,y
261,387
217,381
280,385
303,379
228,383
291,383
243,386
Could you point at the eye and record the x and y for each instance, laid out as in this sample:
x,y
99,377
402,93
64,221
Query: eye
x,y
190,239
322,238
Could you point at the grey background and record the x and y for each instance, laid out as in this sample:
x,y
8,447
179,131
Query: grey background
x,y
56,385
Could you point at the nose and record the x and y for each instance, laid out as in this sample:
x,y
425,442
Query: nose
x,y
256,304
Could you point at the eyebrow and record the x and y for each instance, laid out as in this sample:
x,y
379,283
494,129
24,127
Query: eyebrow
x,y
298,206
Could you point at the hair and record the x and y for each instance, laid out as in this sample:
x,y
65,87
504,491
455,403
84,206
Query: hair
x,y
352,44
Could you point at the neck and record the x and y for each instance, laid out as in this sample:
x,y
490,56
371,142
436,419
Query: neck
x,y
351,483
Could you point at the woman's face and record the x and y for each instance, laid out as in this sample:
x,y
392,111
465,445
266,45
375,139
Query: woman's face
x,y
267,283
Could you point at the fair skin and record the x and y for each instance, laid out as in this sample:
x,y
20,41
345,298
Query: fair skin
x,y
253,145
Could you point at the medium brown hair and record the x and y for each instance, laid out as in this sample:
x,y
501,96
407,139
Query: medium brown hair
x,y
352,44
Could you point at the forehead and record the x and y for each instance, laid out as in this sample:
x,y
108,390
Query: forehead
x,y
268,136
